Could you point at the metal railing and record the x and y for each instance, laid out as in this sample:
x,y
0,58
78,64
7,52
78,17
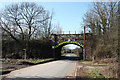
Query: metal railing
x,y
66,32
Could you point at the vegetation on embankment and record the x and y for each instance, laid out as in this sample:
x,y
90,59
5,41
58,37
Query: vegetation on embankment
x,y
96,70
102,20
35,49
21,61
92,63
93,73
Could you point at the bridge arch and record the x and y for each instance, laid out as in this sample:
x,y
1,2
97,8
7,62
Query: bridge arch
x,y
69,42
59,46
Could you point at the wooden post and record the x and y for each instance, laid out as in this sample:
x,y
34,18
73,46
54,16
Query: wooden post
x,y
42,36
84,45
24,52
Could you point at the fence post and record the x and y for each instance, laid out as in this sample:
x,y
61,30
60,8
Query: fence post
x,y
24,52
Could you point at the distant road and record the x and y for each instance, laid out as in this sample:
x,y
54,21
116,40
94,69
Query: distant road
x,y
56,70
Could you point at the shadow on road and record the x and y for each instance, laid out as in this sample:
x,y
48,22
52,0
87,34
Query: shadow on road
x,y
72,58
59,79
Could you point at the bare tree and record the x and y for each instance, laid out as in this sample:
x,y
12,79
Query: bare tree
x,y
102,20
90,21
58,29
101,17
22,20
47,28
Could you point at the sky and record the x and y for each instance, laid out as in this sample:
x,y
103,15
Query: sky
x,y
68,15
72,46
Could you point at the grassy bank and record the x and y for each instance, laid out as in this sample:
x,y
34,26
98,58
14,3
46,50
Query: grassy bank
x,y
93,73
20,61
91,63
96,71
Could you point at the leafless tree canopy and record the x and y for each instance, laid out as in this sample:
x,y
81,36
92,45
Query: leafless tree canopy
x,y
58,29
102,21
25,20
102,17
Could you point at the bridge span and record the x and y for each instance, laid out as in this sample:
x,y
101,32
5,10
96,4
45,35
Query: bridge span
x,y
60,40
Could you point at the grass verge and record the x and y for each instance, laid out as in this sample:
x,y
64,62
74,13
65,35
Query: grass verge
x,y
31,61
93,73
38,60
91,63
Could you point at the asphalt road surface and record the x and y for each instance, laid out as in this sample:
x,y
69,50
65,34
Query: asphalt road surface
x,y
56,70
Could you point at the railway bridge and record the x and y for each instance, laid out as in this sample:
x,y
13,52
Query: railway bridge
x,y
60,40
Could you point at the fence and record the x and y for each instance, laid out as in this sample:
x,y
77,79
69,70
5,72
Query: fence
x,y
67,32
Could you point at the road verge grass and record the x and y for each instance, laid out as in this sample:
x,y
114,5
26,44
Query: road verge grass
x,y
37,61
91,63
32,61
92,70
93,73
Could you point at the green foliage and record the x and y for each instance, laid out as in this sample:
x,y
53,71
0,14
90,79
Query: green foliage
x,y
93,73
